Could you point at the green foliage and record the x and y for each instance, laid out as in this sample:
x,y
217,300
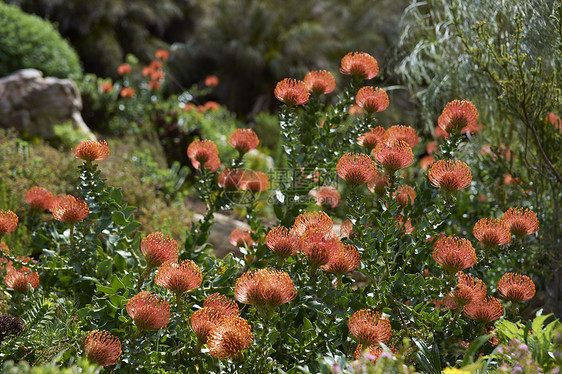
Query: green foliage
x,y
29,42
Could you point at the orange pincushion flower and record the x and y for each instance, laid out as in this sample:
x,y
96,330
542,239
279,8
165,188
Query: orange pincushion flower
x,y
102,348
394,155
427,161
292,92
230,338
127,92
153,85
521,222
485,311
158,249
453,253
211,81
378,184
243,140
225,305
231,179
179,276
320,82
282,242
69,209
372,99
370,139
457,115
361,65
327,196
204,152
346,229
240,237
405,195
8,221
106,87
162,54
372,352
318,247
124,69
555,120
20,279
203,321
312,221
516,287
356,168
149,311
440,133
343,260
355,110
450,175
255,181
369,327
468,290
491,232
39,198
266,289
431,147
90,150
405,133
405,228
472,129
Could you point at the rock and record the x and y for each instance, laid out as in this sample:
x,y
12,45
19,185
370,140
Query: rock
x,y
33,104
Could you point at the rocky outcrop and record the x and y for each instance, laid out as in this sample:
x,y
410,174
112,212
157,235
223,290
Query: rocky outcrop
x,y
33,104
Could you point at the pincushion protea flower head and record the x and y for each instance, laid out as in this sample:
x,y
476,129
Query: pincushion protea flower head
x,y
372,99
266,289
255,181
453,253
149,311
318,247
243,140
485,311
312,221
69,209
491,232
179,276
555,120
204,152
405,228
371,138
372,352
405,133
521,222
405,195
427,161
320,82
232,336
450,175
124,69
282,242
102,348
342,260
378,184
292,92
21,279
223,304
468,290
356,168
327,196
241,237
39,198
393,155
158,249
231,179
203,321
127,92
457,115
162,54
8,221
361,65
90,150
211,81
516,287
369,327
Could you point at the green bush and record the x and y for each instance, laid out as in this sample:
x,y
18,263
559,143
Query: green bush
x,y
29,42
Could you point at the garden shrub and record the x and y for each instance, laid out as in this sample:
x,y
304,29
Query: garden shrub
x,y
29,42
406,279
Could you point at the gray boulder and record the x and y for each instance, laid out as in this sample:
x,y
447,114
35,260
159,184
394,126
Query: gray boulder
x,y
33,104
